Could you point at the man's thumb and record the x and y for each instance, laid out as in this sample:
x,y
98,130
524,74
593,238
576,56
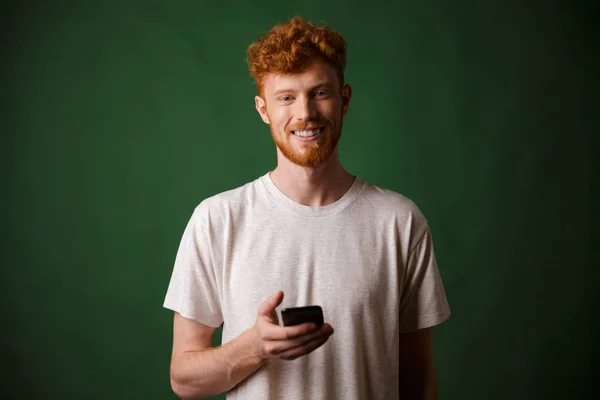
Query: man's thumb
x,y
269,306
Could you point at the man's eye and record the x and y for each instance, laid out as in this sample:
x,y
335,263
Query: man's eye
x,y
286,98
321,93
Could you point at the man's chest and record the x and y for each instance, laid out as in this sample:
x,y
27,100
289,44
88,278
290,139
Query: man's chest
x,y
350,268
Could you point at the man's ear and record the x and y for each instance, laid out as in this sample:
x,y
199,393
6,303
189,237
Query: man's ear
x,y
261,107
346,96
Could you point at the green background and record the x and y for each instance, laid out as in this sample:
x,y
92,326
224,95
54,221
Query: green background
x,y
120,117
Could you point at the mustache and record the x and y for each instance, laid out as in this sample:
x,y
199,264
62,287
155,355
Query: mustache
x,y
307,126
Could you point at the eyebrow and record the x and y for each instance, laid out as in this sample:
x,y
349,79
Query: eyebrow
x,y
318,85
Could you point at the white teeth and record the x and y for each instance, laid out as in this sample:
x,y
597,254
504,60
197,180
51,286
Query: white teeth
x,y
308,133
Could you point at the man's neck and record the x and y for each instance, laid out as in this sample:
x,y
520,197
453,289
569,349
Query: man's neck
x,y
314,187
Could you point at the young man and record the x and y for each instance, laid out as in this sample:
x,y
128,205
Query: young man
x,y
307,233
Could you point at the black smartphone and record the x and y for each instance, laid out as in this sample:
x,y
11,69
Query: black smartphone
x,y
299,315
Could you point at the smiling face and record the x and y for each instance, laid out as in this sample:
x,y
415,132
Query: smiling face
x,y
305,112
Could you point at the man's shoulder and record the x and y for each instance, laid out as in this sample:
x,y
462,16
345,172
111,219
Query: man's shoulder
x,y
231,200
389,204
388,199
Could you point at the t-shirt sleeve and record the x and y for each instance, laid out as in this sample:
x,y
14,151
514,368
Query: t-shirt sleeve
x,y
193,290
423,301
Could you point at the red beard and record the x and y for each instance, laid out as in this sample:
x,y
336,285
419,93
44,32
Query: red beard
x,y
310,154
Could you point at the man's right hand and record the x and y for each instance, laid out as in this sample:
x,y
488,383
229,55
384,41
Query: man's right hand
x,y
199,370
285,342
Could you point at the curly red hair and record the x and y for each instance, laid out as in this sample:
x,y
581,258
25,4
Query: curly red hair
x,y
290,47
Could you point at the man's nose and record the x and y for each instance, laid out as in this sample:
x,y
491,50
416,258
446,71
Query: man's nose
x,y
306,109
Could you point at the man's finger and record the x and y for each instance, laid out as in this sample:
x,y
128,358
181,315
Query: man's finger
x,y
276,332
306,348
268,307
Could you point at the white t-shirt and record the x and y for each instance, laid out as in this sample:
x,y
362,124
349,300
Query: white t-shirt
x,y
366,259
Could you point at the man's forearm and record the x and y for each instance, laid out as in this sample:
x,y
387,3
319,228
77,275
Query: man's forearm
x,y
199,374
423,387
